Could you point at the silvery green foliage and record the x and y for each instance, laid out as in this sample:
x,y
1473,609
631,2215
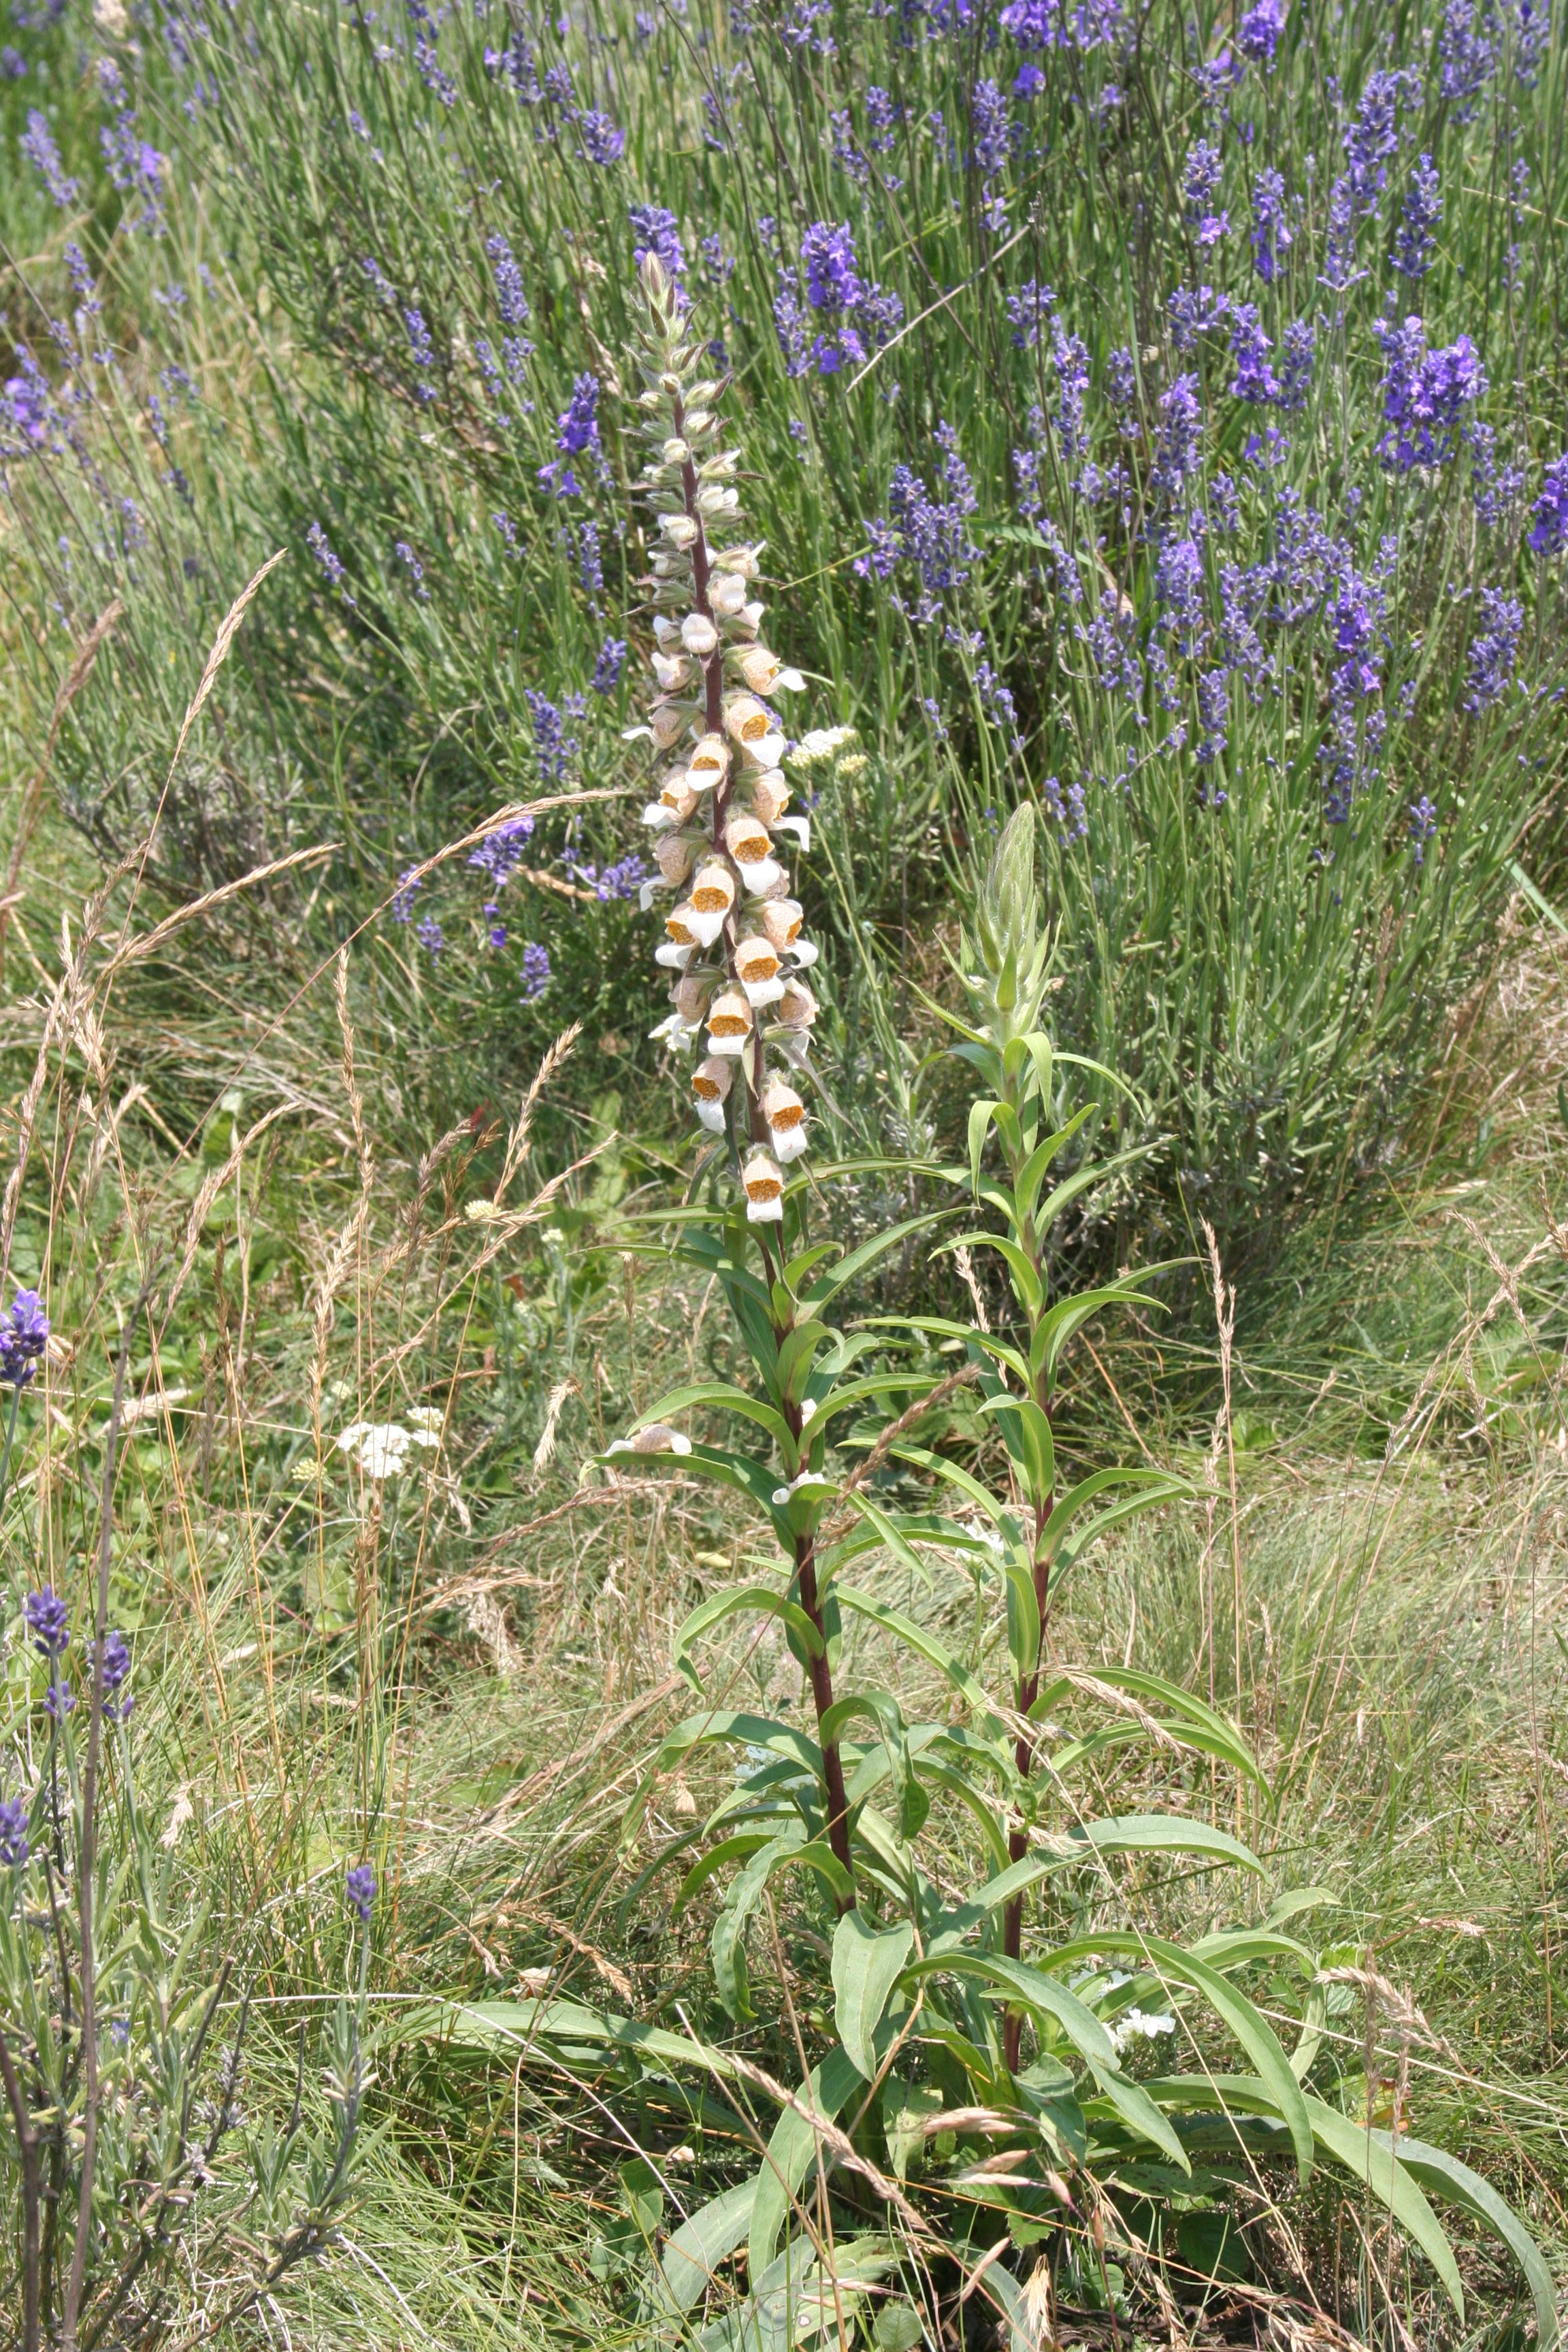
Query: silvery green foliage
x,y
140,2170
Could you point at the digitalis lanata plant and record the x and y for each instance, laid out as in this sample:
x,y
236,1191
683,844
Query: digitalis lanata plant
x,y
720,818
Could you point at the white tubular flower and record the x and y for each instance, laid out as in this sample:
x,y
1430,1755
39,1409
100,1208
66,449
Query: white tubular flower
x,y
691,925
675,1032
770,796
709,762
759,667
673,854
710,1084
756,963
660,1438
750,845
713,889
748,720
785,1115
678,797
763,1182
729,1023
734,979
781,920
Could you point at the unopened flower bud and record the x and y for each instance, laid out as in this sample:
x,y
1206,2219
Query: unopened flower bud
x,y
679,530
740,560
674,452
698,634
785,1115
782,922
770,796
726,593
717,498
673,855
729,1022
660,1438
759,667
672,671
668,722
764,1182
797,1006
691,995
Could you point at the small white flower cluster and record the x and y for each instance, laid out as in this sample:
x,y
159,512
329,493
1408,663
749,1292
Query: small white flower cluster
x,y
1136,2025
380,1448
733,941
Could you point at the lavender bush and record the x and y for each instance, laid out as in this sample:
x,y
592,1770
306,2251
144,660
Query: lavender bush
x,y
1163,412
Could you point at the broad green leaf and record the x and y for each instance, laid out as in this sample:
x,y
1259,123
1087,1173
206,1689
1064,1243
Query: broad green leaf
x,y
1444,2176
1370,2156
1139,1683
699,2245
979,1343
954,1474
905,2107
738,1848
866,1964
1033,1173
1029,1441
1026,1284
725,1723
791,2149
1153,1486
759,1598
1164,1833
981,1114
1170,1963
724,1396
829,1286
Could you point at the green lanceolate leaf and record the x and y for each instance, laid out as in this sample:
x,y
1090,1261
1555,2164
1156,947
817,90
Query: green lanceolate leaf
x,y
866,1965
1183,1704
1027,1284
757,1600
1173,1965
1164,1834
827,1285
738,1848
1151,1487
694,2253
724,1396
1443,2175
792,2151
1032,1175
1027,1433
914,1805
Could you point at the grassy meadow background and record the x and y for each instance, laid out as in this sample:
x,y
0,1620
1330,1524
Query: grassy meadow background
x,y
325,281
